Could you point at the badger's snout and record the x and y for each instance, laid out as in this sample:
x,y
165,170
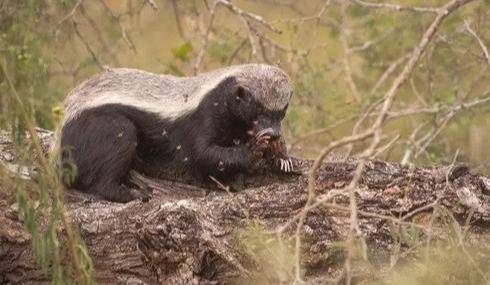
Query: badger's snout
x,y
273,134
265,126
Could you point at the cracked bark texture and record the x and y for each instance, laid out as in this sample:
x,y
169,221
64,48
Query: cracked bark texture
x,y
188,235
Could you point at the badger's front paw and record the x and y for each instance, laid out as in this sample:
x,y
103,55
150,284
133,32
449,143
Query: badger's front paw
x,y
284,164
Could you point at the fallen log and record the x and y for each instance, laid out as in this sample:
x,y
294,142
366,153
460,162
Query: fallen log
x,y
190,235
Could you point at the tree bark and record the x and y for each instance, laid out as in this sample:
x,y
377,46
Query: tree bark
x,y
189,235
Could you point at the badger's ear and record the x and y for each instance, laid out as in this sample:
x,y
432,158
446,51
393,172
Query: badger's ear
x,y
240,92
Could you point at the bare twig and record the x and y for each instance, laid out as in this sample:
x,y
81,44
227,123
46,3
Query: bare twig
x,y
244,17
479,40
98,34
411,144
318,132
70,14
396,7
371,43
87,47
386,147
250,36
236,51
314,17
177,18
357,126
345,53
434,110
117,19
152,4
249,15
205,36
425,141
391,68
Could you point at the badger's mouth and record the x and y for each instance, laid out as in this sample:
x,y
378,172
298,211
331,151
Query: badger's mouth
x,y
266,132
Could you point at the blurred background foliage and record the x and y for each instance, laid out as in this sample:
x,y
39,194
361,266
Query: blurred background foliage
x,y
52,45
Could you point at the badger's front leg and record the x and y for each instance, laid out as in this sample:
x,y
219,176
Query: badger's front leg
x,y
223,162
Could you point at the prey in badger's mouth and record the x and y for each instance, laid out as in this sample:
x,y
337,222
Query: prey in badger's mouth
x,y
216,124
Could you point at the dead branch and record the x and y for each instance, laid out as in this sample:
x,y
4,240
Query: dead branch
x,y
87,47
71,13
396,7
479,40
345,54
249,15
244,16
152,4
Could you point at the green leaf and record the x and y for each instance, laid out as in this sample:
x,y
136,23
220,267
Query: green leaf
x,y
182,52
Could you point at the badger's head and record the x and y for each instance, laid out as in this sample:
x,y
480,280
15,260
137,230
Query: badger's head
x,y
260,97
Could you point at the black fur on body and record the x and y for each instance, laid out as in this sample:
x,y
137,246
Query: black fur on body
x,y
104,141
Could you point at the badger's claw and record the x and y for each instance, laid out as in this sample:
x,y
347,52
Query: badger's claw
x,y
286,165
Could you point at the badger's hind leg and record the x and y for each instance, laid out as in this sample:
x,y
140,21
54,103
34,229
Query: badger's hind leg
x,y
102,146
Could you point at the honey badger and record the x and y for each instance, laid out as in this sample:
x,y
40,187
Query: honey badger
x,y
201,123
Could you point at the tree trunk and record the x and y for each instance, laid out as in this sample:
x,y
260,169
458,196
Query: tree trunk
x,y
188,235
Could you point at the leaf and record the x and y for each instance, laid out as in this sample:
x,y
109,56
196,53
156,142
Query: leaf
x,y
182,52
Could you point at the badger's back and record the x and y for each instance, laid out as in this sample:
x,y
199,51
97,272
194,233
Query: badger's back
x,y
128,87
168,96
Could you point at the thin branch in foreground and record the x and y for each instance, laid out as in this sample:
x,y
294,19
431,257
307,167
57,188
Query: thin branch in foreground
x,y
117,19
371,43
318,132
205,36
70,14
251,16
479,40
234,54
396,7
391,68
177,18
250,36
244,17
152,4
345,54
98,35
87,47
